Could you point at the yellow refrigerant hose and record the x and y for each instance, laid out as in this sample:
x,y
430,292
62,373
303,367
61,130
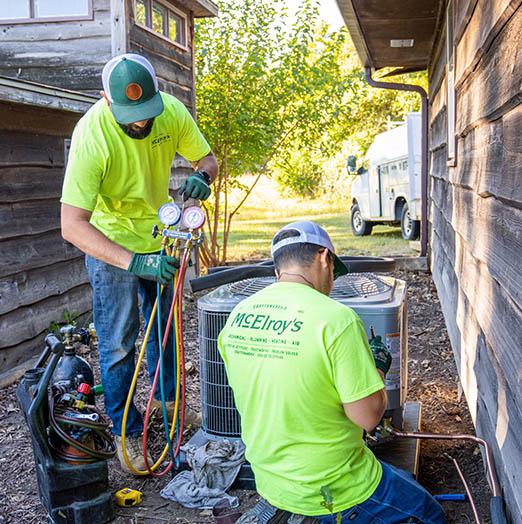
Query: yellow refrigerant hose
x,y
176,401
133,388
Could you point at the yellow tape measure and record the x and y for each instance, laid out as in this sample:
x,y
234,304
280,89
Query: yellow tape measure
x,y
127,497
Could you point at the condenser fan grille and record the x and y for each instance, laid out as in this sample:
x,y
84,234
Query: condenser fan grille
x,y
219,413
347,286
250,285
358,285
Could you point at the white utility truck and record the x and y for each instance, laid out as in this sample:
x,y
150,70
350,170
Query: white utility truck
x,y
388,189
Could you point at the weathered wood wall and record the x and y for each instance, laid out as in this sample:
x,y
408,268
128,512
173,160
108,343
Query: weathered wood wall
x,y
69,54
174,66
476,222
41,276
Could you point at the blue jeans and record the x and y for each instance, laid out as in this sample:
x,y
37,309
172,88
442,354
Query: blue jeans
x,y
117,321
397,499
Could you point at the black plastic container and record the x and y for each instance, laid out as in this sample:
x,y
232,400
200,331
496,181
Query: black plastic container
x,y
75,494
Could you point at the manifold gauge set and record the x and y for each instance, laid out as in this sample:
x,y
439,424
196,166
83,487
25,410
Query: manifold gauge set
x,y
171,216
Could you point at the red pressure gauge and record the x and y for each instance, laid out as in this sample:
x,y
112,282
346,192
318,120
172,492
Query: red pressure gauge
x,y
193,217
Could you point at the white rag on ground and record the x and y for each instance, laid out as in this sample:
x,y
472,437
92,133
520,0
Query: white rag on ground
x,y
214,467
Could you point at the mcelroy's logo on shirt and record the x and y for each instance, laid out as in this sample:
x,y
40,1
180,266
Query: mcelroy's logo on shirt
x,y
160,140
266,323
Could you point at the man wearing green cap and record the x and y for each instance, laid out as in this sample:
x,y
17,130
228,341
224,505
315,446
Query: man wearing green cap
x,y
117,178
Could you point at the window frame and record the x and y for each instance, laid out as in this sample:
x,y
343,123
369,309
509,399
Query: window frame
x,y
43,19
170,9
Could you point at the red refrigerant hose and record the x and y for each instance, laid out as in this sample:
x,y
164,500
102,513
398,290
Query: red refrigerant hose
x,y
177,298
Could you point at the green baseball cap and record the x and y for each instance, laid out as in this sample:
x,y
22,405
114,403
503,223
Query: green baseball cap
x,y
130,83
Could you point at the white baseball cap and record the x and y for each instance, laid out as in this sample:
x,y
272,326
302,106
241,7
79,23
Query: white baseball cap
x,y
310,233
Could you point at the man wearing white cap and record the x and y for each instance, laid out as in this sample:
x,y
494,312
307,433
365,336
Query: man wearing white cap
x,y
117,178
306,384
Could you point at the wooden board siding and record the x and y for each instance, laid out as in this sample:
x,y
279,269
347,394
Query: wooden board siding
x,y
41,275
476,222
474,34
71,54
493,88
173,65
67,54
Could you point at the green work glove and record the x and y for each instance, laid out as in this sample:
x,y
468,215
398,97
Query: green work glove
x,y
196,186
381,355
160,268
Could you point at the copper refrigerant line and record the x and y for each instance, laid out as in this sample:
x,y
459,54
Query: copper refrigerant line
x,y
468,491
470,438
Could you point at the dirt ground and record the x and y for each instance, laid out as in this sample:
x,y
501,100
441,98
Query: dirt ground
x,y
432,380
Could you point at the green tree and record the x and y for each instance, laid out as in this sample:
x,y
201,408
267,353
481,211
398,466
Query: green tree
x,y
319,93
234,86
260,85
278,98
357,112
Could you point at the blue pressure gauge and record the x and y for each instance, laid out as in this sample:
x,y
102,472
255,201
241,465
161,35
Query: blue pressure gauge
x,y
169,214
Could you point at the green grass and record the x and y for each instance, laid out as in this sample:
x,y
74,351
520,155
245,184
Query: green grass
x,y
267,211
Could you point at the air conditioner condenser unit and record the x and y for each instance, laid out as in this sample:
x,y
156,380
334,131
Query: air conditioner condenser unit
x,y
381,303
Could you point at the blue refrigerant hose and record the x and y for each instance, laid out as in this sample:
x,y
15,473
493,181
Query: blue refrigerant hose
x,y
162,382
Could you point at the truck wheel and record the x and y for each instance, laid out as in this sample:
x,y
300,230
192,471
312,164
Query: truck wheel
x,y
410,228
360,227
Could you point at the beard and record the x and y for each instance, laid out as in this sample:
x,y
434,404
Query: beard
x,y
136,132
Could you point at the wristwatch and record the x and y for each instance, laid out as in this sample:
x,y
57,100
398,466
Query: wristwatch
x,y
205,175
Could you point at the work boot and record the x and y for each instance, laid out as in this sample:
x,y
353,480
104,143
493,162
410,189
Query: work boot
x,y
192,418
134,453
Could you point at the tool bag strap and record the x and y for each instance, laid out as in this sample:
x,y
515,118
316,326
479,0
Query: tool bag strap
x,y
264,513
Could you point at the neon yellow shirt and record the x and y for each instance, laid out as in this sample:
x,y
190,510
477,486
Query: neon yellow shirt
x,y
293,356
122,180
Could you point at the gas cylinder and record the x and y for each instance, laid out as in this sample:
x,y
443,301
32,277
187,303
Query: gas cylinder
x,y
72,369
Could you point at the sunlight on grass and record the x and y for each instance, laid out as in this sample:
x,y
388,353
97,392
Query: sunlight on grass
x,y
267,211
